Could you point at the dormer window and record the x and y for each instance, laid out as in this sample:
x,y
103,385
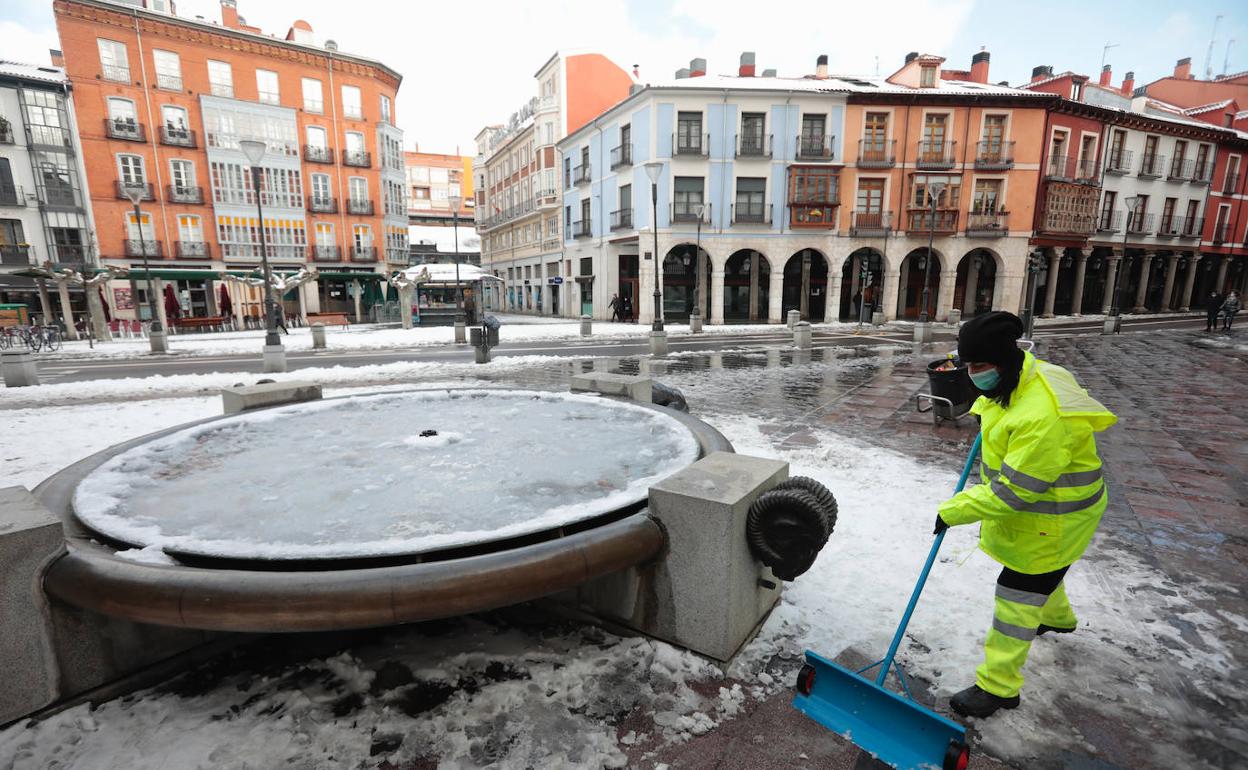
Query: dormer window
x,y
927,76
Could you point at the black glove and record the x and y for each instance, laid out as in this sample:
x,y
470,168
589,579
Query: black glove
x,y
941,526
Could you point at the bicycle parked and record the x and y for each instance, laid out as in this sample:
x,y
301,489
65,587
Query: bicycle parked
x,y
36,338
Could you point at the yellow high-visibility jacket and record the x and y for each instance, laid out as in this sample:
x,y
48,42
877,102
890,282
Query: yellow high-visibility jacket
x,y
1041,494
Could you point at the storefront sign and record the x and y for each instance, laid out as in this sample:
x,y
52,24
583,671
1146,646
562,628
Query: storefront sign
x,y
123,299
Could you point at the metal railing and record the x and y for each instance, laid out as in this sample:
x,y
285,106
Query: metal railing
x,y
357,158
168,82
326,253
70,253
11,195
1230,184
994,155
1221,232
1140,223
115,73
696,144
751,213
581,174
686,212
48,136
1119,162
815,147
193,249
314,106
988,223
873,154
1169,226
925,220
754,145
184,194
149,194
137,248
622,219
1151,165
1109,221
1203,173
364,253
871,222
128,130
177,136
934,154
13,254
322,205
315,153
622,156
582,228
360,206
1069,168
1181,169
1191,227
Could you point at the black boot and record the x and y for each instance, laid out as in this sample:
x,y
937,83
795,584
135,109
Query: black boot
x,y
1043,629
974,702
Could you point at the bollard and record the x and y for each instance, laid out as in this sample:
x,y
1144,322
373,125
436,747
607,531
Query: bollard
x,y
158,342
480,346
19,369
793,317
923,332
460,335
1111,325
695,322
658,343
586,326
955,317
877,318
274,358
318,336
802,335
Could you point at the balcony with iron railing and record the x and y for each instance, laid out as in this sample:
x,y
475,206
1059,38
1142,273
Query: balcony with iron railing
x,y
622,219
1151,166
1221,232
357,158
193,249
934,155
693,144
815,147
1140,224
320,204
1230,184
1169,227
877,154
69,253
138,248
688,212
622,156
1067,168
176,193
363,253
994,156
176,136
1181,169
125,129
64,197
326,253
11,195
1109,221
168,82
360,206
115,73
315,153
754,145
582,228
924,220
1191,227
870,223
149,193
987,224
581,174
1119,163
14,255
753,213
1202,173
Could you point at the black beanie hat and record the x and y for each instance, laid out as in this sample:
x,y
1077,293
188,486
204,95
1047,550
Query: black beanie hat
x,y
991,338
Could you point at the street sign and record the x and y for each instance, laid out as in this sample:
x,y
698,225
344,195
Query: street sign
x,y
556,280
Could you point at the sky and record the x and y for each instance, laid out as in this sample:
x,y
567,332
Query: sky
x,y
469,66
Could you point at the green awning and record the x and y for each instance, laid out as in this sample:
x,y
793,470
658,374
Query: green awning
x,y
197,274
362,277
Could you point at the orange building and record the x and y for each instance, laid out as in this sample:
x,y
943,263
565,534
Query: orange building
x,y
162,102
432,180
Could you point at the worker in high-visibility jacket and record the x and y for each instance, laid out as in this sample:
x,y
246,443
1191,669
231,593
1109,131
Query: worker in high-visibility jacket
x,y
1039,502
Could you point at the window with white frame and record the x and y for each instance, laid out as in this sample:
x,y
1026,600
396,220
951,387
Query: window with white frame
x,y
190,229
362,237
231,183
168,70
355,142
385,109
174,119
394,199
240,237
267,89
114,64
313,96
351,102
220,79
138,229
182,175
130,170
321,191
317,137
324,234
357,186
121,111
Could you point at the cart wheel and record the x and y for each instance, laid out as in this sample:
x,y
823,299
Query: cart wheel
x,y
957,756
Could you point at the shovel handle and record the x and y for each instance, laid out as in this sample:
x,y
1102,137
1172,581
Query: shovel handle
x,y
887,663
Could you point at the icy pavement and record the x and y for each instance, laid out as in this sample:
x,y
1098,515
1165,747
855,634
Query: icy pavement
x,y
1154,678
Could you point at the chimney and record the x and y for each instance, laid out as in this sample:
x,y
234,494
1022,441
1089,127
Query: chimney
x,y
229,14
769,73
682,73
1107,75
1128,84
1041,72
1183,68
746,69
979,67
58,58
697,68
821,66
911,56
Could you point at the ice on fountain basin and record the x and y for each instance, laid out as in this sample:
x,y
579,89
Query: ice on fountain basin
x,y
354,477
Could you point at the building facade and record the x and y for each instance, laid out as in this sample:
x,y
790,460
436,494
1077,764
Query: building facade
x,y
433,179
163,102
517,184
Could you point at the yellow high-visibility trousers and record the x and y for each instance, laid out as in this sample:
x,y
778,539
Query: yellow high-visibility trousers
x,y
1023,603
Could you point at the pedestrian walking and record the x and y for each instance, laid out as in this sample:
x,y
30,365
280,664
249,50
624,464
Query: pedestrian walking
x,y
1230,306
1213,306
627,313
1039,502
616,308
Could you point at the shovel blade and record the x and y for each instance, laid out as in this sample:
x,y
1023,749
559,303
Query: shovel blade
x,y
893,729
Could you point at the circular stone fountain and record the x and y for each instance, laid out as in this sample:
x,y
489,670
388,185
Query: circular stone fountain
x,y
367,510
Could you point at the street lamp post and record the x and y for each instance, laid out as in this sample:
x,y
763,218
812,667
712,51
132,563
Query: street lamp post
x,y
156,338
274,354
1035,264
653,169
922,332
460,334
1115,311
695,318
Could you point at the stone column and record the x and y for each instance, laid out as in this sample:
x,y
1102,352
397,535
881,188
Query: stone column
x,y
699,275
67,312
1172,268
357,289
754,261
45,302
890,292
855,287
803,302
1189,282
157,285
645,290
1141,292
944,296
1111,279
972,288
236,304
717,296
1081,270
1050,289
1223,263
314,296
303,307
775,293
832,303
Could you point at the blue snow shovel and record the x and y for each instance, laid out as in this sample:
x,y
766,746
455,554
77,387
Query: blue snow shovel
x,y
893,729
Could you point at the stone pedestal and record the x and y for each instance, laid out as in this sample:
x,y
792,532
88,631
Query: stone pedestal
x,y
240,398
955,317
318,336
802,335
19,369
461,335
1111,324
274,358
614,384
587,326
695,323
877,318
658,343
923,332
158,341
793,317
481,354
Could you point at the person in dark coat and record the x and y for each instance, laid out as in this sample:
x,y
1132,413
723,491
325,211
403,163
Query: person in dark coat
x,y
616,307
626,314
1213,306
1230,306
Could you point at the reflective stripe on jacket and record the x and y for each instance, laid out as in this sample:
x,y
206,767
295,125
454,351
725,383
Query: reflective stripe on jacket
x,y
1041,494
